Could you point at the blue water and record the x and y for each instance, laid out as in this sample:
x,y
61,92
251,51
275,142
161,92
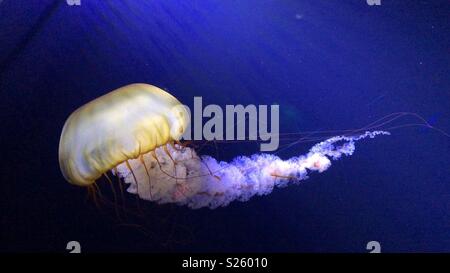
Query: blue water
x,y
328,64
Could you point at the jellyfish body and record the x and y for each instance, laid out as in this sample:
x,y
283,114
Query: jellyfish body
x,y
130,132
121,125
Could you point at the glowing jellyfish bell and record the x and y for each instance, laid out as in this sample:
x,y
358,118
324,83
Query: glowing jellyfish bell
x,y
124,124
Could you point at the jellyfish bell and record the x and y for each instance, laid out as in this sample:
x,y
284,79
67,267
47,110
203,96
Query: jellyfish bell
x,y
121,125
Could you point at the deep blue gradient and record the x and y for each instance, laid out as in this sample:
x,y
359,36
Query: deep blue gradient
x,y
328,64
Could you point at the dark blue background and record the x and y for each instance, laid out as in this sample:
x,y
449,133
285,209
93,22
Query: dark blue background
x,y
328,64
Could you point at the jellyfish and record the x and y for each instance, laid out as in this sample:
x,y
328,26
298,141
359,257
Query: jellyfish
x,y
133,132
